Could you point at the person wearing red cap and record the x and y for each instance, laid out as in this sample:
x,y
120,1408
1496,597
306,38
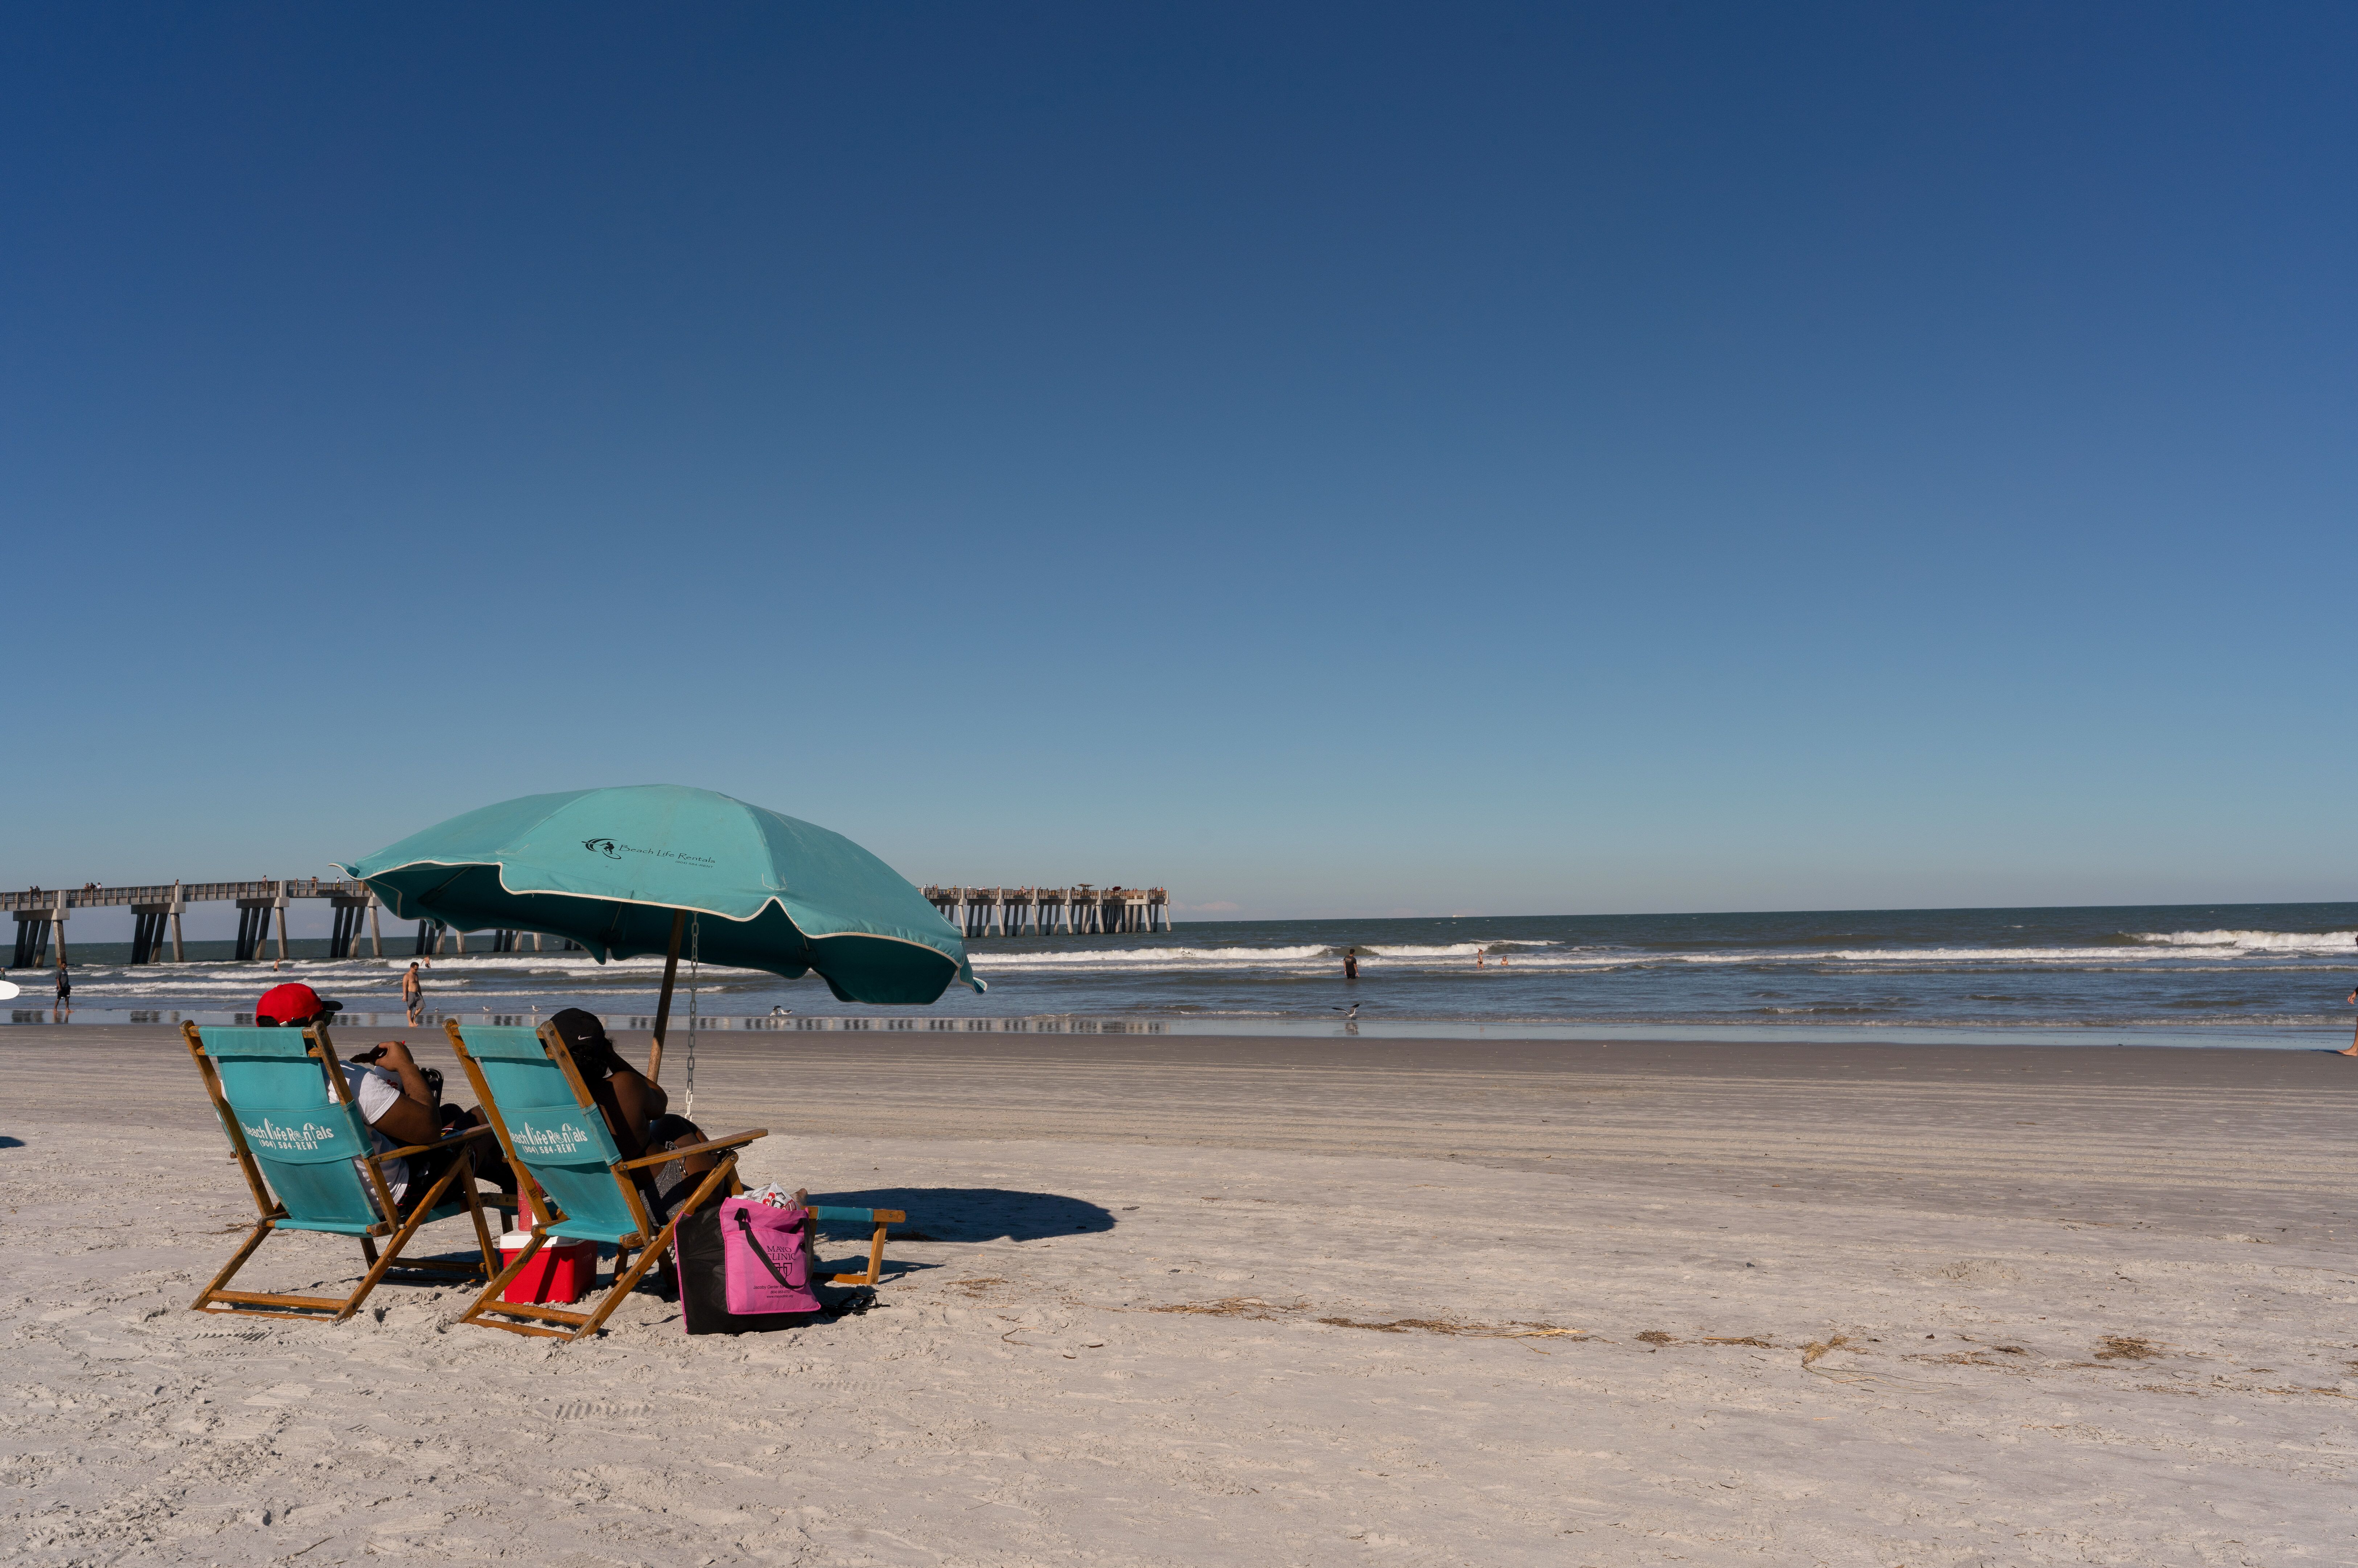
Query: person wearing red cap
x,y
294,1005
400,1100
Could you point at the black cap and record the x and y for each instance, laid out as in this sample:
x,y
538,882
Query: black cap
x,y
584,1038
580,1028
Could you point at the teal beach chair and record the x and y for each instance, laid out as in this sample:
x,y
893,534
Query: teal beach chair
x,y
571,1177
290,1121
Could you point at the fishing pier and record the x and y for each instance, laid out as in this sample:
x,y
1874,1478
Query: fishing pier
x,y
41,914
1080,911
156,910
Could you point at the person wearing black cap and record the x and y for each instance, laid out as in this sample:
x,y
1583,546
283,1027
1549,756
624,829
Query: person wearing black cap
x,y
634,1104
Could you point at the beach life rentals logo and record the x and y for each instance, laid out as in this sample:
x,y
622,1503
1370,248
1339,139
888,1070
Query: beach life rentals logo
x,y
271,1138
614,849
553,1142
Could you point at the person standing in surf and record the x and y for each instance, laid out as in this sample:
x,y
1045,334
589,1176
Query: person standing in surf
x,y
1350,963
413,993
2351,1049
65,984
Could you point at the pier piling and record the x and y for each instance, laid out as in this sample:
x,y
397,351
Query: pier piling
x,y
147,931
345,935
32,938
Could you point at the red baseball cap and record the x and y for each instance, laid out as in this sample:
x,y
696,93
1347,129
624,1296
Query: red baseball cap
x,y
292,1004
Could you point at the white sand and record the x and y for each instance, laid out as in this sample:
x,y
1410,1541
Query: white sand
x,y
1028,1394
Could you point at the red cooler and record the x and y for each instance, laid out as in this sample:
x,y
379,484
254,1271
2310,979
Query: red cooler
x,y
559,1273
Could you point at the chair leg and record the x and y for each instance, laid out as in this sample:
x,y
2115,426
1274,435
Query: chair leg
x,y
491,1295
475,1212
425,1206
368,1282
655,1246
875,1264
624,1282
379,1267
261,1232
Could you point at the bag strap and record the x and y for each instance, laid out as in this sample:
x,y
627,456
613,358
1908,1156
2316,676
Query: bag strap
x,y
746,1224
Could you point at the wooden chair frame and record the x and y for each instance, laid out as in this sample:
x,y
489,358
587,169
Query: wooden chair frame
x,y
646,1239
214,1298
827,1214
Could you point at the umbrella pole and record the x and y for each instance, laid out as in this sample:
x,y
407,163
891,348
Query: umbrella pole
x,y
662,1003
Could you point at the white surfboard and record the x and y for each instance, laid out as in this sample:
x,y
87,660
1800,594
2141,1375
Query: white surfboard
x,y
8,990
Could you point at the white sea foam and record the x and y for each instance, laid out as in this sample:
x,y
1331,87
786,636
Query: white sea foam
x,y
1149,957
2096,956
1550,956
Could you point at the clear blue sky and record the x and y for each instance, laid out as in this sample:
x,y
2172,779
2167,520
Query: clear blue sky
x,y
1329,459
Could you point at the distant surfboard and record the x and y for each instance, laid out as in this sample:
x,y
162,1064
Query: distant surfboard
x,y
7,990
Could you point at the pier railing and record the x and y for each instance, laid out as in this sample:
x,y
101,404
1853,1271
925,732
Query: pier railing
x,y
93,896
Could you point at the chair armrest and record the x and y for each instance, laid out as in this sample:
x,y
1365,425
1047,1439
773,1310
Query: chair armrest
x,y
430,1148
733,1141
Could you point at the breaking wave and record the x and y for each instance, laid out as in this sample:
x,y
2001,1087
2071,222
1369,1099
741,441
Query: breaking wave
x,y
2254,941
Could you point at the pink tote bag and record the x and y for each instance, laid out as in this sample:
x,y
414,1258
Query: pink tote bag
x,y
767,1268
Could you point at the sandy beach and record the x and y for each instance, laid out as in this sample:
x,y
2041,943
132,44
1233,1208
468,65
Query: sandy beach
x,y
1189,1300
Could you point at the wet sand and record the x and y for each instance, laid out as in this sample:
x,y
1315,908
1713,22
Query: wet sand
x,y
1208,1299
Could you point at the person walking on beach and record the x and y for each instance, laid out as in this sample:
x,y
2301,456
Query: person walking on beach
x,y
1350,963
413,993
65,984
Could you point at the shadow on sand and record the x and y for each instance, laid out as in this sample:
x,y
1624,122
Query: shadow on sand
x,y
976,1213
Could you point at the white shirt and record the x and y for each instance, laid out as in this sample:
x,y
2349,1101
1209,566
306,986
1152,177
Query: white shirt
x,y
377,1090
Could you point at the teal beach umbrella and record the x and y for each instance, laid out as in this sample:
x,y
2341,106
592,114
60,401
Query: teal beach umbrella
x,y
624,870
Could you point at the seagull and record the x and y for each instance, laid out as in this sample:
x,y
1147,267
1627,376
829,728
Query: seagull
x,y
782,1012
1348,1012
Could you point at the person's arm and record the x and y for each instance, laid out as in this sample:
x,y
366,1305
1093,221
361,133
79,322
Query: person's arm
x,y
411,1119
629,1081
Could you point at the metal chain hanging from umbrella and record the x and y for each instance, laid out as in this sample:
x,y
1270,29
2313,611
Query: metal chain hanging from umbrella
x,y
695,966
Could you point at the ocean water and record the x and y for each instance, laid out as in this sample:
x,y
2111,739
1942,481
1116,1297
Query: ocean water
x,y
2231,974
